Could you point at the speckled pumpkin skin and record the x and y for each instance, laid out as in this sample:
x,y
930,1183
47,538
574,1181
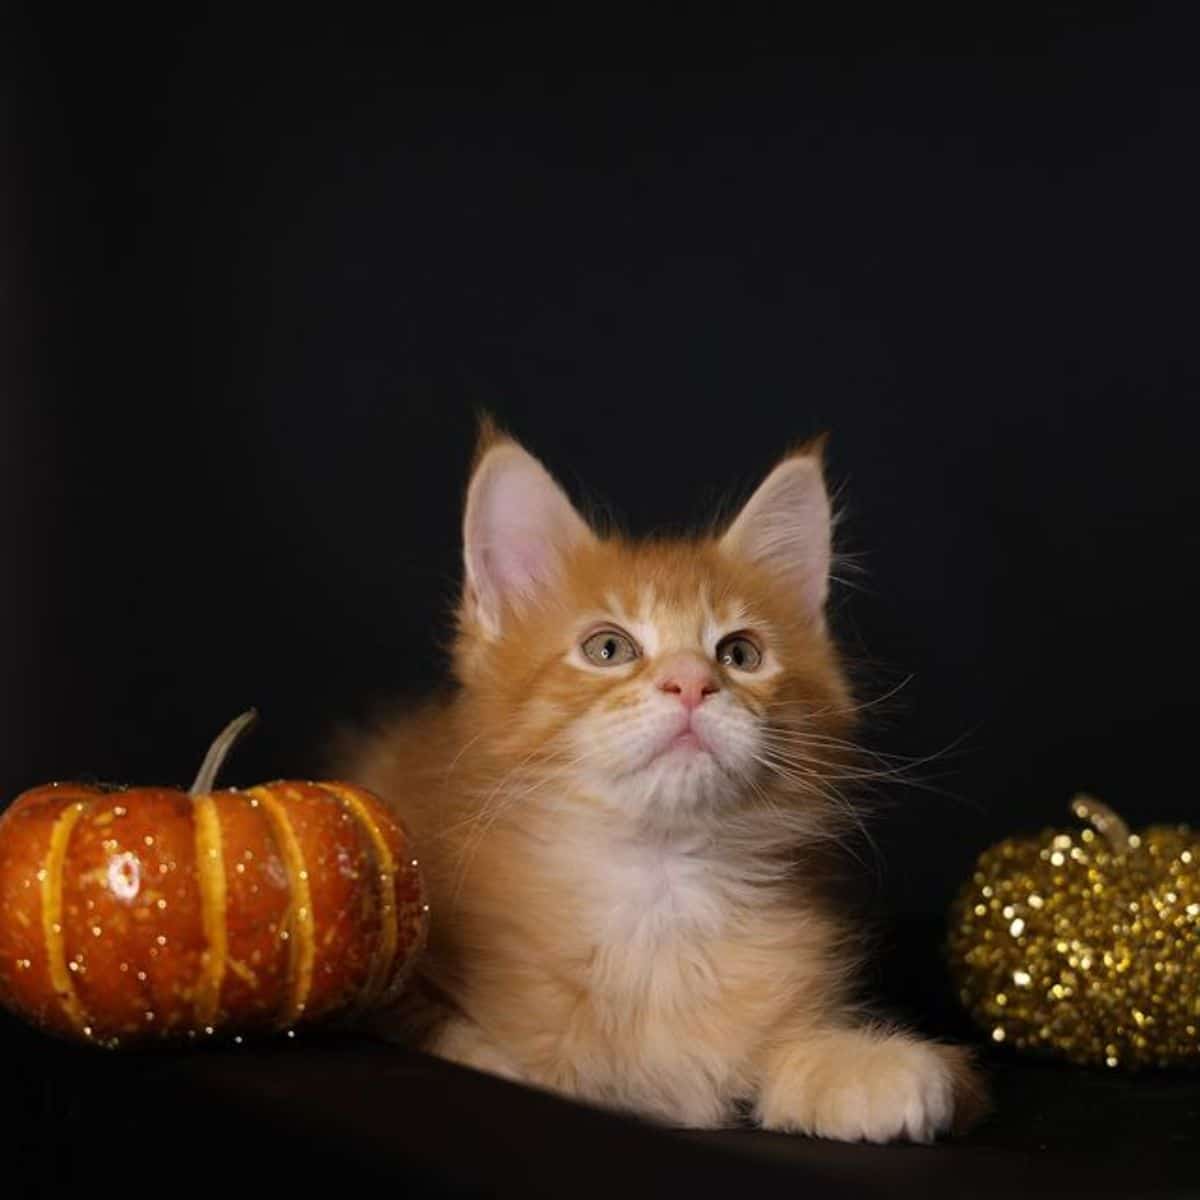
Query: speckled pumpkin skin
x,y
149,915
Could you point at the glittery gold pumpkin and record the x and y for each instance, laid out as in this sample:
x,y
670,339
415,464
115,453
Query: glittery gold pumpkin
x,y
1085,944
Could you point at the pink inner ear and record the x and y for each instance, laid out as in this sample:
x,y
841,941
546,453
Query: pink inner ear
x,y
786,527
517,565
518,525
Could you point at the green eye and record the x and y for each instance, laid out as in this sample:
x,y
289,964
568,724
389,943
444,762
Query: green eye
x,y
739,653
609,648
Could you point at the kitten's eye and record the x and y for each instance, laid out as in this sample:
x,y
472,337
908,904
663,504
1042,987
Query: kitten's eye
x,y
739,652
609,648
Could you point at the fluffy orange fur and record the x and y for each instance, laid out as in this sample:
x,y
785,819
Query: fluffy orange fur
x,y
617,917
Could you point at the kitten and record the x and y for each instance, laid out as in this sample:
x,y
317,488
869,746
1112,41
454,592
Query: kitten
x,y
620,811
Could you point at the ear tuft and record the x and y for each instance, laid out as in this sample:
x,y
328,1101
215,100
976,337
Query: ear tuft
x,y
813,447
518,527
488,434
786,527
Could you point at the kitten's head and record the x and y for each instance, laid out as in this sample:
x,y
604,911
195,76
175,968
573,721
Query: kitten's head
x,y
660,677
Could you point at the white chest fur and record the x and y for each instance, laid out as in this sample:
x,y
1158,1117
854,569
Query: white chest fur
x,y
652,909
650,894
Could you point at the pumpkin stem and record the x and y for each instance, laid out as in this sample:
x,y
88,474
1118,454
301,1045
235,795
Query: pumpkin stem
x,y
218,751
1106,822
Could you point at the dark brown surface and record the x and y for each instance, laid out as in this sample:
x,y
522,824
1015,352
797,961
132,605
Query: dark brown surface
x,y
342,1113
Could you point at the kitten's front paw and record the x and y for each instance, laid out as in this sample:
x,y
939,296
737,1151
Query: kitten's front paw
x,y
866,1085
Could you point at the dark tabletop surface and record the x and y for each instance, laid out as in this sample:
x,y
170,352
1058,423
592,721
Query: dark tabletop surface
x,y
342,1111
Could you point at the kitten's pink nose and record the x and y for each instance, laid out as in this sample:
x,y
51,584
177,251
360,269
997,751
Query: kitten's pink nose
x,y
688,677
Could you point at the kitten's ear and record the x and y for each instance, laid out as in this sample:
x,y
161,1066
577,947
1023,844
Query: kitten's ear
x,y
518,526
786,527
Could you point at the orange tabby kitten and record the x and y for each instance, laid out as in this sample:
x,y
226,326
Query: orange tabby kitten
x,y
619,812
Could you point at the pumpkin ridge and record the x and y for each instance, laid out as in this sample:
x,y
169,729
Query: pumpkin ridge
x,y
210,875
51,878
302,939
384,954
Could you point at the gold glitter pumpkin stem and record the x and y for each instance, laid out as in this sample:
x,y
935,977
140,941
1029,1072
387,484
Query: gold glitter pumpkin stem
x,y
1103,819
219,751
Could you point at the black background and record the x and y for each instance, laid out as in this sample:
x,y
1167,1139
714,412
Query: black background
x,y
258,277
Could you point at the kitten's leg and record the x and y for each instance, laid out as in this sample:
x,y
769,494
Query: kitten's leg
x,y
462,1041
423,1019
867,1084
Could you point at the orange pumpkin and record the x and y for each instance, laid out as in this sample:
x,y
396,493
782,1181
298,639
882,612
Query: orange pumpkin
x,y
146,914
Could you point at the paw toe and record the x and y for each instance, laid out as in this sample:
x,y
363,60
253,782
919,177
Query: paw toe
x,y
869,1087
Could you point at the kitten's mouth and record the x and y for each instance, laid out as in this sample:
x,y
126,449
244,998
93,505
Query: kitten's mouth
x,y
687,742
